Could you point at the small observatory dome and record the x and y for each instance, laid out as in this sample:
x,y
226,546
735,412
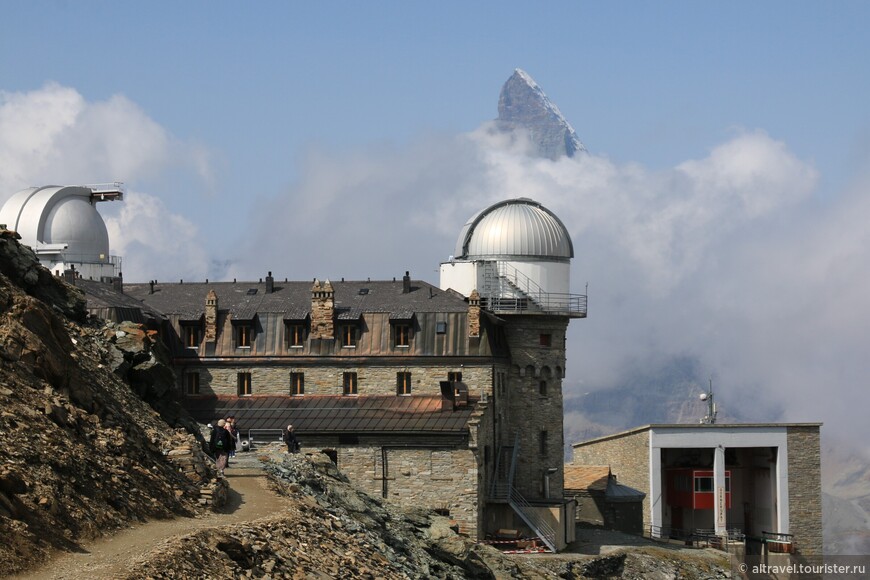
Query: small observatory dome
x,y
515,228
63,226
77,223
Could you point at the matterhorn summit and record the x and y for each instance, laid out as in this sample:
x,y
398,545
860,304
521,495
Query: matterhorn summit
x,y
523,106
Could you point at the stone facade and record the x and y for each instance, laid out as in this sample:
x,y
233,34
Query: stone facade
x,y
627,455
805,489
439,478
533,399
328,379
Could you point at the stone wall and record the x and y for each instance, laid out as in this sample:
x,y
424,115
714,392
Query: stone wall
x,y
805,488
535,411
627,454
441,478
327,380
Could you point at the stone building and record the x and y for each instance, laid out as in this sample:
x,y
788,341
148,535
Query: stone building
x,y
753,480
444,396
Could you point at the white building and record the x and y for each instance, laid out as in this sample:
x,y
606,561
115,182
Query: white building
x,y
64,228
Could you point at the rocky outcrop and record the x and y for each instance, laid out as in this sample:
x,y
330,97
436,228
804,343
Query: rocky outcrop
x,y
20,265
82,454
137,355
523,107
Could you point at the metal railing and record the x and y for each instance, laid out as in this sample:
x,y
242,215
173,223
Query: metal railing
x,y
698,537
506,289
505,490
529,515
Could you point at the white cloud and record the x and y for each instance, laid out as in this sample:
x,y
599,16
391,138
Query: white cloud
x,y
155,243
725,259
54,136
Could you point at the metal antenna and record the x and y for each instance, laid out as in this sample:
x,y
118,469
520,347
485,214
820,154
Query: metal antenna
x,y
710,417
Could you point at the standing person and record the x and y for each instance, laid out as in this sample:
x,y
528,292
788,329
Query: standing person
x,y
220,446
234,436
291,440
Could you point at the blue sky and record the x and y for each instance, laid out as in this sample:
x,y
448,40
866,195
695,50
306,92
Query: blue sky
x,y
719,215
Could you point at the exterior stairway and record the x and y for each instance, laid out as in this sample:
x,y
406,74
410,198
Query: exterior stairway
x,y
504,490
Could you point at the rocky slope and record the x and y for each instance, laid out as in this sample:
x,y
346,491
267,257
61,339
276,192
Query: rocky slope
x,y
82,453
331,530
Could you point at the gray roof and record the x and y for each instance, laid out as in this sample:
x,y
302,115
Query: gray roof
x,y
293,299
102,295
336,414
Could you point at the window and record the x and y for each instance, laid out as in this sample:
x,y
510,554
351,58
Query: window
x,y
192,383
191,337
704,484
454,377
444,512
543,442
542,388
349,383
440,328
546,340
295,335
403,383
243,336
348,336
297,383
403,335
244,384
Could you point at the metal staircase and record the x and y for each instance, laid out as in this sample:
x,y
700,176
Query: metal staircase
x,y
506,289
505,490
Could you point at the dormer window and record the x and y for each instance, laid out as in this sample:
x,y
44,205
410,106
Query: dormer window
x,y
402,324
191,336
243,336
348,335
403,335
295,333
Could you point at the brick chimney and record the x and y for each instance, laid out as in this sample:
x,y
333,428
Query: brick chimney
x,y
270,284
474,314
322,311
406,283
211,316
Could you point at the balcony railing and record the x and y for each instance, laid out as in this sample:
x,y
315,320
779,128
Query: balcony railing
x,y
506,289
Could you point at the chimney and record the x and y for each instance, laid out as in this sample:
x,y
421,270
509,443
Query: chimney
x,y
270,284
406,283
474,314
211,310
118,283
69,276
151,286
322,311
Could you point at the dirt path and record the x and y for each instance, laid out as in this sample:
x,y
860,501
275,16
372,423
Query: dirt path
x,y
250,498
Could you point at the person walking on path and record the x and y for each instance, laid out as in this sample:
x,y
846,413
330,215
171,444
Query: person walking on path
x,y
220,446
291,440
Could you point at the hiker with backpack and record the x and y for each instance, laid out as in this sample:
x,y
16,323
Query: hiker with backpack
x,y
220,445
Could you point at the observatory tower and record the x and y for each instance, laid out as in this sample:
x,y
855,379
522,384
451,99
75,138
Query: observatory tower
x,y
64,228
516,255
